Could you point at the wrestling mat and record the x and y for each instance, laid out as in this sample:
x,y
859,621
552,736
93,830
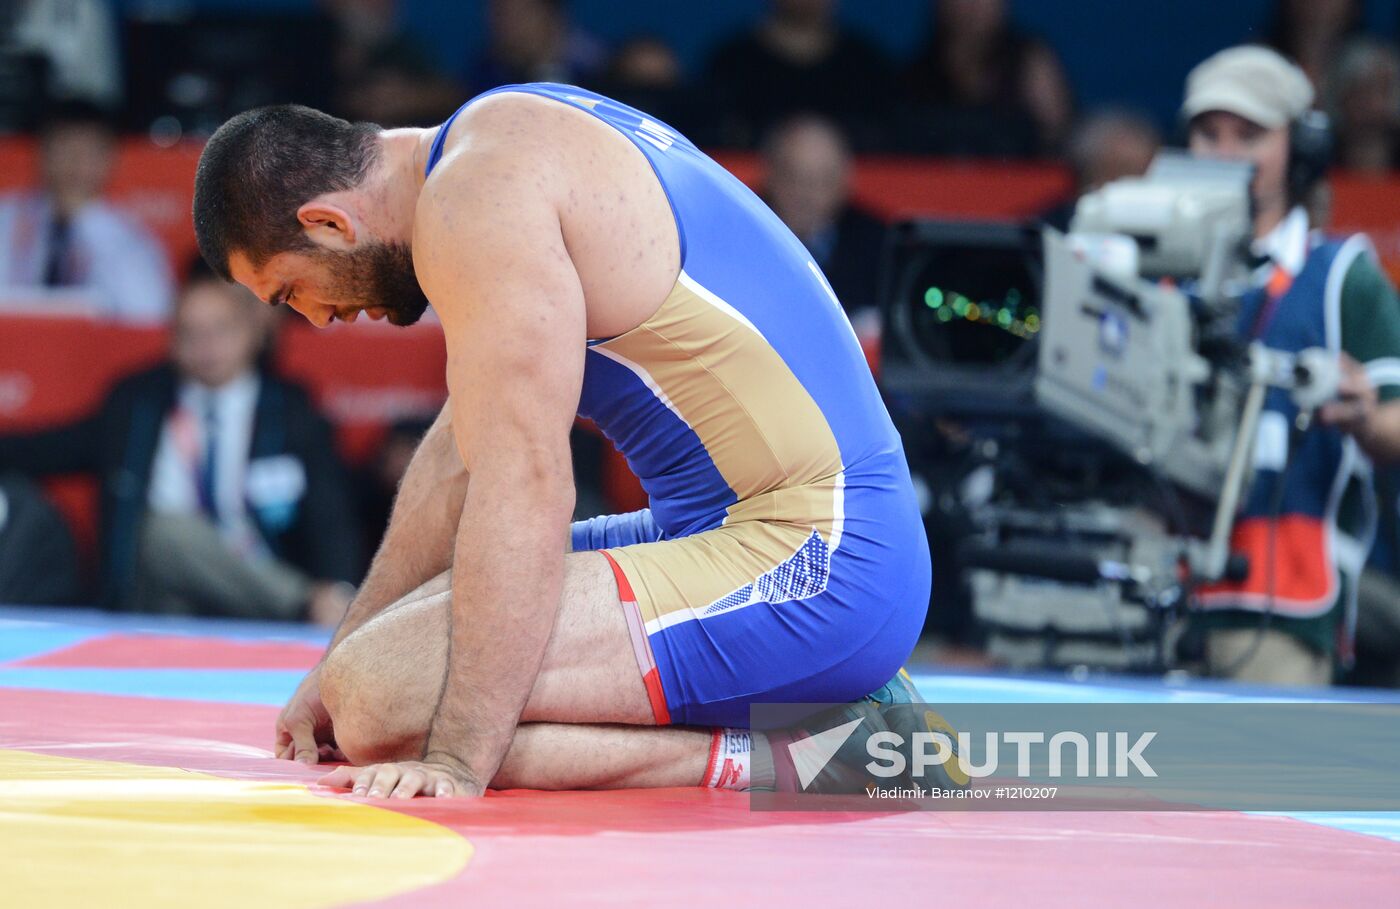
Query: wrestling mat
x,y
135,771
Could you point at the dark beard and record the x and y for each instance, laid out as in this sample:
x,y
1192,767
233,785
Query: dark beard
x,y
380,275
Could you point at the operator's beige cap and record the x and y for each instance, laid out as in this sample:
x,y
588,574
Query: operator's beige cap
x,y
1254,82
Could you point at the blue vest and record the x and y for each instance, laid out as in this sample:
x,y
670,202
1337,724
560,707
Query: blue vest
x,y
1310,553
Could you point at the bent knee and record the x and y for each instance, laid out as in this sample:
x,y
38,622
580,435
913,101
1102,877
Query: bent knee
x,y
368,730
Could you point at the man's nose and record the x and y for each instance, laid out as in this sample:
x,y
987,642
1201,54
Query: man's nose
x,y
320,317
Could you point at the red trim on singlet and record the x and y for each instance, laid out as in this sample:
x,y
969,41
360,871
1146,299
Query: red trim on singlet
x,y
646,664
624,589
652,681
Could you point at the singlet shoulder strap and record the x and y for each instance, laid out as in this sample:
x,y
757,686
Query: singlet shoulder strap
x,y
435,151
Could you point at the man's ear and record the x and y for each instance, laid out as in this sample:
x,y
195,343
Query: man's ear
x,y
327,225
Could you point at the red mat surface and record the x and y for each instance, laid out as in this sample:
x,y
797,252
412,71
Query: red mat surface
x,y
696,847
154,651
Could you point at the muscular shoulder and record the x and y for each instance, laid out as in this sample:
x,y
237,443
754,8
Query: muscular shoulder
x,y
510,132
490,211
527,181
498,166
504,153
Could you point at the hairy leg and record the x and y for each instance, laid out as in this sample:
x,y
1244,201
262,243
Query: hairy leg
x,y
570,756
381,684
582,756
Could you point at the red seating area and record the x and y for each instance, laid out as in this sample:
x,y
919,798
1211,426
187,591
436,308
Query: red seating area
x,y
155,185
55,368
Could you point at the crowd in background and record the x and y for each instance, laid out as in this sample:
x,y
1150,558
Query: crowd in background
x,y
797,83
978,84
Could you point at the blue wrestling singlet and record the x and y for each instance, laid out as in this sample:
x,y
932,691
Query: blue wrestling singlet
x,y
783,556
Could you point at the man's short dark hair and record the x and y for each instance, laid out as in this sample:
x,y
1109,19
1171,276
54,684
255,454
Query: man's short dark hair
x,y
264,164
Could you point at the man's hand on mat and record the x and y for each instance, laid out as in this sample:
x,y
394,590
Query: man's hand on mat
x,y
405,779
304,730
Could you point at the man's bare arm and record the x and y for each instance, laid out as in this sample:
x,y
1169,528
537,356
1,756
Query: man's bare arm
x,y
417,547
418,542
491,254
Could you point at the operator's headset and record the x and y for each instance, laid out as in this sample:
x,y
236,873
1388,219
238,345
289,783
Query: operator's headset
x,y
1309,153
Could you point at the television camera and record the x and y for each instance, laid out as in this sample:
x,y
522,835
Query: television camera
x,y
1099,403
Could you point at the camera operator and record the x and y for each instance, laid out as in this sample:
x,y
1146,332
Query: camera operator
x,y
1303,526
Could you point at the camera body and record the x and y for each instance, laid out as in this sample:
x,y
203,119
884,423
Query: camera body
x,y
1095,393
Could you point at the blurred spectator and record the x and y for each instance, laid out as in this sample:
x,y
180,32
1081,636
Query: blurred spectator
x,y
190,66
78,40
382,75
1106,146
983,88
645,62
533,41
646,73
62,236
364,29
807,182
221,492
38,557
1364,104
799,59
1312,32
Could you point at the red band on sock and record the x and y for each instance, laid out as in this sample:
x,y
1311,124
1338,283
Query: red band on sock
x,y
731,758
715,738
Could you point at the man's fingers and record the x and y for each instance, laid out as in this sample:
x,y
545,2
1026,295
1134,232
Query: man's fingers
x,y
330,754
340,777
396,781
282,739
410,784
382,782
361,777
304,747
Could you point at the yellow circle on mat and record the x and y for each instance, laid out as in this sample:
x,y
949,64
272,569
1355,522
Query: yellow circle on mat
x,y
100,833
